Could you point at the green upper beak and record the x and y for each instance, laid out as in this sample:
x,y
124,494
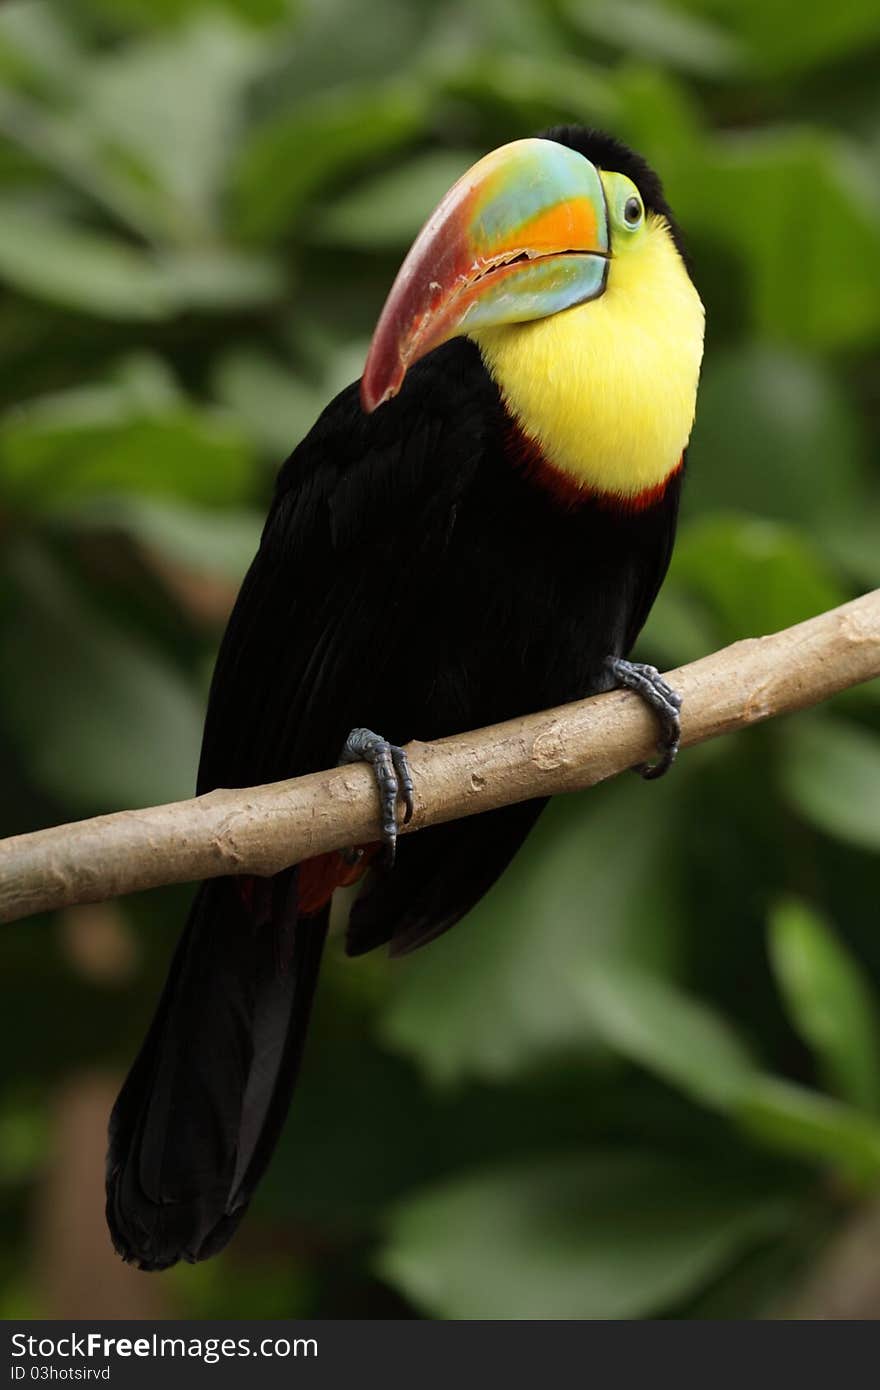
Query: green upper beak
x,y
522,235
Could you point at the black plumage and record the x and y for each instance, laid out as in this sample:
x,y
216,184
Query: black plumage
x,y
417,575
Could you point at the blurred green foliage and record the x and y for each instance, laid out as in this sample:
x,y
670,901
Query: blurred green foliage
x,y
643,1079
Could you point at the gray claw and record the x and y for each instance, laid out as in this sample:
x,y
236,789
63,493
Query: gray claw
x,y
647,682
404,781
393,779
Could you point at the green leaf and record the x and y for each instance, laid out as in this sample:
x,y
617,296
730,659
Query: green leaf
x,y
99,440
614,1235
795,453
70,155
512,27
388,211
829,999
56,260
23,1137
167,112
854,542
273,402
220,281
780,41
535,90
795,1120
655,1024
661,117
659,1027
208,542
678,630
287,159
37,48
336,44
659,31
163,13
140,135
506,988
101,722
44,254
755,576
813,269
831,775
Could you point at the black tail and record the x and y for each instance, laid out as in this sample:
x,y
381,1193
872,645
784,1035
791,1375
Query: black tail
x,y
439,876
203,1106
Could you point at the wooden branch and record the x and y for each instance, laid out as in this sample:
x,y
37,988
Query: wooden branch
x,y
260,830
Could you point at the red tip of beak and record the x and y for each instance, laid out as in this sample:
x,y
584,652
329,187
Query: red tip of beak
x,y
384,371
420,312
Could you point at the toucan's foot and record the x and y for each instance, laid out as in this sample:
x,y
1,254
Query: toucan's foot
x,y
664,701
393,778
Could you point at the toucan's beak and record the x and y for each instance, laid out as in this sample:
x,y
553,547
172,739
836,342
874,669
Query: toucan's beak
x,y
522,235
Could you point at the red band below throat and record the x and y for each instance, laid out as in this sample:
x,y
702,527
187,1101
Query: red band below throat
x,y
529,458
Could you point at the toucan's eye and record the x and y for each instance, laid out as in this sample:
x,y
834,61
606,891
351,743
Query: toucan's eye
x,y
632,212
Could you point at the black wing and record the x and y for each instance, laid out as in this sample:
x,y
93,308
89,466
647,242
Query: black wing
x,y
328,632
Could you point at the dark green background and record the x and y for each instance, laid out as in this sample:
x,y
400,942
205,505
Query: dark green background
x,y
644,1077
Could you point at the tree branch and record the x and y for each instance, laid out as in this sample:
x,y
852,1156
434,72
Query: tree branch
x,y
260,830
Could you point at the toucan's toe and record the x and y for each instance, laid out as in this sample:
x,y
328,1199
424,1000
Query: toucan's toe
x,y
647,682
393,778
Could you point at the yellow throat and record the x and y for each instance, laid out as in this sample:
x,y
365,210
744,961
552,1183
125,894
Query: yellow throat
x,y
608,389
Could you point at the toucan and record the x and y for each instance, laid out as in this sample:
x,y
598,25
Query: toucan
x,y
475,531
